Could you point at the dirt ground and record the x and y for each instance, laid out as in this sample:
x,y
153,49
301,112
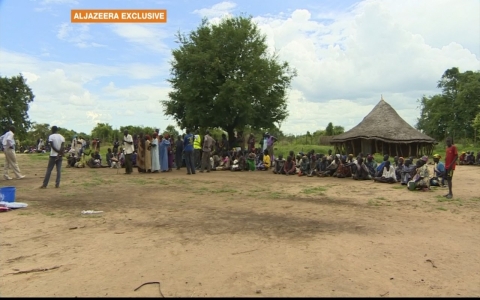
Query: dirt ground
x,y
237,234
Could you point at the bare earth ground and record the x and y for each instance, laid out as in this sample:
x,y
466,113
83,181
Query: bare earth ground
x,y
238,234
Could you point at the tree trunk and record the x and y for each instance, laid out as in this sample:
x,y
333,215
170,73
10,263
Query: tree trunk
x,y
231,136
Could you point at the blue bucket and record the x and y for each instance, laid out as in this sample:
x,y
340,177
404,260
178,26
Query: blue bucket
x,y
7,193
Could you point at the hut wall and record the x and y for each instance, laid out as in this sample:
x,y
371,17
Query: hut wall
x,y
375,146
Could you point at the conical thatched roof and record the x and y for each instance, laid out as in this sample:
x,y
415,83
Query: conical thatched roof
x,y
383,123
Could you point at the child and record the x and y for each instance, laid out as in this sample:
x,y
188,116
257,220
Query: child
x,y
264,165
251,161
279,164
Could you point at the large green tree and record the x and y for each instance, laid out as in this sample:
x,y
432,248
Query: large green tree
x,y
15,97
223,76
452,112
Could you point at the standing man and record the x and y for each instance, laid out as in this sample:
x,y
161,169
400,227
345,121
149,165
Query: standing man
x,y
10,156
129,149
450,162
57,146
197,148
270,142
208,143
188,149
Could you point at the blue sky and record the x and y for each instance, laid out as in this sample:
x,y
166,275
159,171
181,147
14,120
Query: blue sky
x,y
346,53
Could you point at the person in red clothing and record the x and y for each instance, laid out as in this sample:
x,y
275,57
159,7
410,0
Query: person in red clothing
x,y
450,162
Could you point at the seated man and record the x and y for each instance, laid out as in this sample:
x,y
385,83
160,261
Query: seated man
x,y
477,160
388,174
371,165
321,165
109,157
379,169
279,164
399,168
362,172
71,160
422,178
304,166
470,159
239,163
313,164
344,170
461,159
289,168
264,165
298,161
331,168
407,172
439,169
93,162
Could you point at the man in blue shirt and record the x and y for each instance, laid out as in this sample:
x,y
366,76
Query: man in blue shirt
x,y
379,170
188,150
439,168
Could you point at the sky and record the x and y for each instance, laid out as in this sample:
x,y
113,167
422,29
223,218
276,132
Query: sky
x,y
347,54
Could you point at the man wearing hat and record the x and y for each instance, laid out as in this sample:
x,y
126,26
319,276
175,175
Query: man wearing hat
x,y
439,168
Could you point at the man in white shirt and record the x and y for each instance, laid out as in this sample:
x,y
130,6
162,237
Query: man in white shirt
x,y
8,143
128,148
57,146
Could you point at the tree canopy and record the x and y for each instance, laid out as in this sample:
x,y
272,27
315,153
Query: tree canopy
x,y
223,76
15,97
452,112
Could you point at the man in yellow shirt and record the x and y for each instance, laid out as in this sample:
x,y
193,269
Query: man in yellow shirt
x,y
197,150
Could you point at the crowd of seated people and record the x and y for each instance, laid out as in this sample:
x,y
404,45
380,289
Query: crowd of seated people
x,y
469,158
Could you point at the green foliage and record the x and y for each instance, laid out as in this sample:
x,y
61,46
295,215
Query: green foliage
x,y
172,131
103,131
223,77
15,97
452,113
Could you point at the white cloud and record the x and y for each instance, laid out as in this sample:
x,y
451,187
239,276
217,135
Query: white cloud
x,y
63,98
343,66
345,61
217,10
77,34
149,37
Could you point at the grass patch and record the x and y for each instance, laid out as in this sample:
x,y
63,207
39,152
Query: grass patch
x,y
476,199
373,202
274,195
381,198
39,156
224,190
442,208
92,183
163,182
315,190
139,181
399,187
25,213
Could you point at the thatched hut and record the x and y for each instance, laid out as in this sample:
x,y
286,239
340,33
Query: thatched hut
x,y
384,131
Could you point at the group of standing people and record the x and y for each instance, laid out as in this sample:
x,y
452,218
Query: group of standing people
x,y
154,154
